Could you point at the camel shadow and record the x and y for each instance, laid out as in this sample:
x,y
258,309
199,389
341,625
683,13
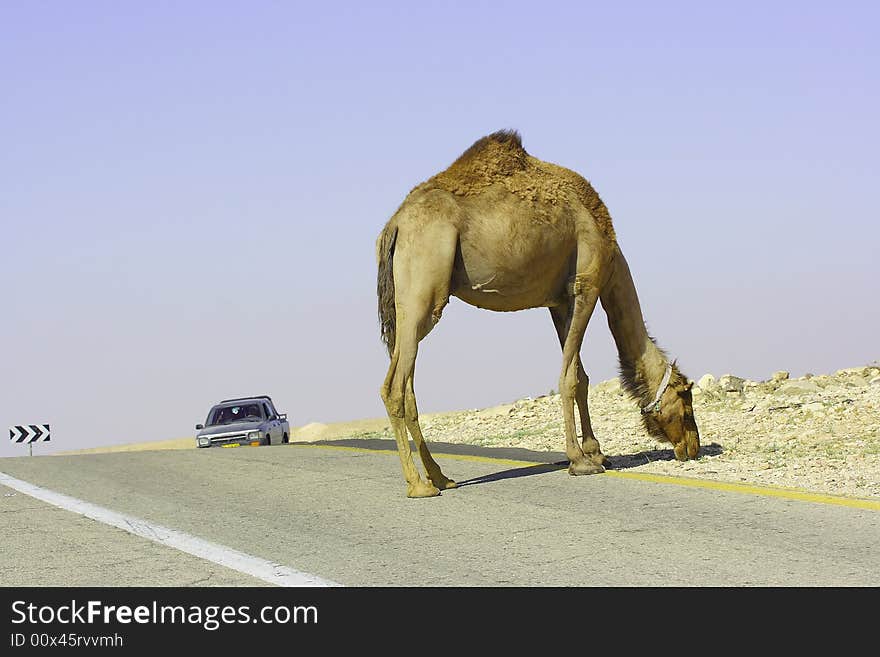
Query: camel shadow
x,y
544,462
626,461
616,462
525,471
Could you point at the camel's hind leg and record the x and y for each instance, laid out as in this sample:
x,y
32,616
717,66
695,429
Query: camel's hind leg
x,y
422,272
394,396
590,446
583,302
432,470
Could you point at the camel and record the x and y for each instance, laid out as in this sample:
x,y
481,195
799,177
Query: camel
x,y
502,230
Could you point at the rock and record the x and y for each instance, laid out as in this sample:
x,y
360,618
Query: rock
x,y
496,411
781,375
875,381
730,383
798,387
611,385
850,371
815,407
706,382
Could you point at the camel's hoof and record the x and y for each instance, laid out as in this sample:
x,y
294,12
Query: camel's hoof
x,y
599,458
684,452
584,468
687,448
422,489
443,483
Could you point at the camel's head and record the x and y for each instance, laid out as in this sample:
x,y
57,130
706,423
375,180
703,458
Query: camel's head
x,y
671,418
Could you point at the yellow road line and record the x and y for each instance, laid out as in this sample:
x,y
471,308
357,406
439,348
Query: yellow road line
x,y
751,489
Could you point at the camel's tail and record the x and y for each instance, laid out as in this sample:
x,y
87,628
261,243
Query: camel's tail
x,y
385,285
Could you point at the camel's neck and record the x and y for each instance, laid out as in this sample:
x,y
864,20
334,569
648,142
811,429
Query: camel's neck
x,y
642,363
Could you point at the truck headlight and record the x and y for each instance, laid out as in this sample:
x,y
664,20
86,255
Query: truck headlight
x,y
253,435
204,442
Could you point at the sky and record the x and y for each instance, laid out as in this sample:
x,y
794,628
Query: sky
x,y
190,195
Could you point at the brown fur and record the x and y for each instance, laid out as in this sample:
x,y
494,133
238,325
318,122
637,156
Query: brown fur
x,y
642,364
488,160
385,286
501,158
634,382
505,231
632,379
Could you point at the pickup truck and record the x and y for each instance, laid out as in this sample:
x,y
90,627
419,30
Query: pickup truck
x,y
243,421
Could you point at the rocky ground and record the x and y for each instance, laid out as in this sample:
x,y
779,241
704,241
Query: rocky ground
x,y
817,433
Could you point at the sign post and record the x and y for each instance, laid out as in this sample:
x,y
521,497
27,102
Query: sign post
x,y
29,433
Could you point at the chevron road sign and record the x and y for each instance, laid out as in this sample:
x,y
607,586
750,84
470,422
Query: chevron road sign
x,y
29,433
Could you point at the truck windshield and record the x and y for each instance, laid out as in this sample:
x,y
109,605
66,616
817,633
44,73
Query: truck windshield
x,y
230,414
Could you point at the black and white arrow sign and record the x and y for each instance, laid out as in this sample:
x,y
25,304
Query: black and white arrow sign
x,y
29,433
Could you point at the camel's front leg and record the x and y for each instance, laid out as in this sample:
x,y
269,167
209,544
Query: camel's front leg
x,y
589,444
562,316
572,379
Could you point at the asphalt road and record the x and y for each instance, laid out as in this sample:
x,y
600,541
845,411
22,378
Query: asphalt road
x,y
342,515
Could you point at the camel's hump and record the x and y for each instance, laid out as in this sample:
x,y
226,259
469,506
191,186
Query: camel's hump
x,y
503,140
489,159
499,158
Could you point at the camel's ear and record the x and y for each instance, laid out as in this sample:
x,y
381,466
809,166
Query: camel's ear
x,y
689,385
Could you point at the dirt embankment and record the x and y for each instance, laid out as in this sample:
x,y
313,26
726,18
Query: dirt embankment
x,y
818,433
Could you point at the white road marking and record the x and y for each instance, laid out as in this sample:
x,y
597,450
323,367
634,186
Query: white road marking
x,y
270,572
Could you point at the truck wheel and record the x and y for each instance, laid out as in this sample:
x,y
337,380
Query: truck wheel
x,y
268,440
285,439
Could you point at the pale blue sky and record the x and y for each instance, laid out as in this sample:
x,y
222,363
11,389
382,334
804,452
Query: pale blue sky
x,y
190,193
